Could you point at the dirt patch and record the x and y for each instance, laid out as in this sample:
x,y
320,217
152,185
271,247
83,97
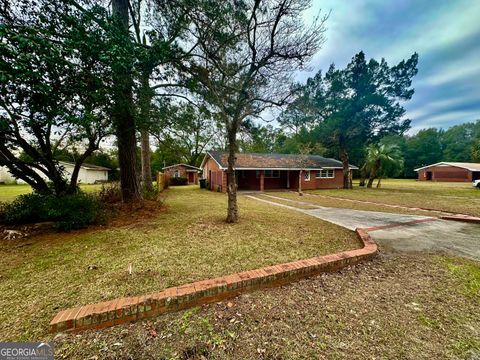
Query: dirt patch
x,y
408,307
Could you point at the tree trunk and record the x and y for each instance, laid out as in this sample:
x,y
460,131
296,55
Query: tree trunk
x,y
363,176
300,183
123,113
373,173
146,166
232,210
347,182
146,95
378,182
72,187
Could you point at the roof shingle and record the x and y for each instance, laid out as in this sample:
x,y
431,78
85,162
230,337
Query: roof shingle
x,y
276,161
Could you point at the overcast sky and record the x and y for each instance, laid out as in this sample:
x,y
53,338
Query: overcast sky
x,y
445,34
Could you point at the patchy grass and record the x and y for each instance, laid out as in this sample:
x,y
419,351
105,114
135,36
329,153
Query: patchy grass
x,y
327,202
469,275
10,192
188,241
403,307
299,203
451,197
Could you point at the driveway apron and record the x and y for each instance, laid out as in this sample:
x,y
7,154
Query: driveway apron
x,y
397,232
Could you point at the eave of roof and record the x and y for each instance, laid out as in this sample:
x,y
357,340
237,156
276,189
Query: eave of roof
x,y
86,166
182,164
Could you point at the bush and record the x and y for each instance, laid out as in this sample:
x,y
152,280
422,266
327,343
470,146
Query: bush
x,y
178,181
110,193
68,212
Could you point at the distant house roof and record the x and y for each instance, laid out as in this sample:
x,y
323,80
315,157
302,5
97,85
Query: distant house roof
x,y
462,165
182,164
252,161
86,166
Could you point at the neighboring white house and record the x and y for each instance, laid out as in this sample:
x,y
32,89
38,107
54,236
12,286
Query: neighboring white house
x,y
88,174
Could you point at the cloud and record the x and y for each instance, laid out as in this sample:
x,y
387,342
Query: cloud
x,y
445,33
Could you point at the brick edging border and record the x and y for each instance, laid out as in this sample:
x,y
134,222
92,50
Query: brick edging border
x,y
123,310
462,218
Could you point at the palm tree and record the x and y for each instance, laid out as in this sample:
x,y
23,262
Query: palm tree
x,y
382,160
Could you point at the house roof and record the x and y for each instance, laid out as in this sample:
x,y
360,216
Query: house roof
x,y
252,161
182,164
86,166
462,165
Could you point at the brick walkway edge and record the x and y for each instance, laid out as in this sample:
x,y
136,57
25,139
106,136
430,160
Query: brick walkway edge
x,y
123,310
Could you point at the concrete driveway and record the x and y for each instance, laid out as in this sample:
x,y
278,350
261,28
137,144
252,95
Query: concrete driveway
x,y
399,232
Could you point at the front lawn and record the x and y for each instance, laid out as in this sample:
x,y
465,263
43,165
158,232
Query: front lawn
x,y
189,241
11,191
451,197
335,203
395,307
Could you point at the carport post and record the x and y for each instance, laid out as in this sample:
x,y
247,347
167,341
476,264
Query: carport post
x,y
262,180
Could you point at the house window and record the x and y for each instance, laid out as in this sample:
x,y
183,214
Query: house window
x,y
306,175
269,174
272,173
325,174
176,173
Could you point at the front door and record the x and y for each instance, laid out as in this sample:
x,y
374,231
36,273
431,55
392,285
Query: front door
x,y
191,178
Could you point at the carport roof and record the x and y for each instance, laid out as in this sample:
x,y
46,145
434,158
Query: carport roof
x,y
462,165
252,161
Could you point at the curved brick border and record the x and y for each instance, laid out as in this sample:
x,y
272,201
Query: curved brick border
x,y
461,217
123,310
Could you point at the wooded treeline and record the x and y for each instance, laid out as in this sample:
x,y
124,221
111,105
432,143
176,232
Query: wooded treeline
x,y
459,143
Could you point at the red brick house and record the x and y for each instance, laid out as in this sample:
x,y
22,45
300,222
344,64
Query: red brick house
x,y
261,172
449,171
182,170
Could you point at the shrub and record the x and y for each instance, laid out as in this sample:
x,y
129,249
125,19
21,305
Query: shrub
x,y
178,181
151,195
68,212
110,193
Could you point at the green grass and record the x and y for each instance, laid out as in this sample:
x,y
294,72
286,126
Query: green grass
x,y
469,274
188,241
451,197
10,192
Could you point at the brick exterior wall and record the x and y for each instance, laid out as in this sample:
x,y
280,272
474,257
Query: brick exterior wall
x,y
217,178
248,180
318,183
445,173
170,172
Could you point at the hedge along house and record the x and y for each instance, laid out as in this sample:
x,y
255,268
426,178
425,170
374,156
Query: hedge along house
x,y
262,172
449,171
182,170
